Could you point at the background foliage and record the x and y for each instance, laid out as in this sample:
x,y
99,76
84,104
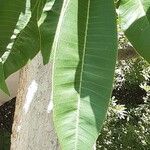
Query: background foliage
x,y
128,118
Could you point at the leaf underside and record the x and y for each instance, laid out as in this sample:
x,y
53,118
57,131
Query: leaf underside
x,y
84,50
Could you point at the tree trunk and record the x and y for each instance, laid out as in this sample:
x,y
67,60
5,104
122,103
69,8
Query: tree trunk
x,y
33,124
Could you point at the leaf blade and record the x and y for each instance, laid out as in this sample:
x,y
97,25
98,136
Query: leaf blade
x,y
77,106
48,29
3,85
135,21
28,42
9,15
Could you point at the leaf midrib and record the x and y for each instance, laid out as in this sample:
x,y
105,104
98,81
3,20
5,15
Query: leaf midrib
x,y
81,76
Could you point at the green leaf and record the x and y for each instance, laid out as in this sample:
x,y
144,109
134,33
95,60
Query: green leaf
x,y
20,38
85,48
3,85
27,43
9,15
135,21
10,12
48,29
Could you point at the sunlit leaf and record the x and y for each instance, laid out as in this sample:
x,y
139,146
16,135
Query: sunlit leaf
x,y
27,44
85,48
10,11
135,21
19,34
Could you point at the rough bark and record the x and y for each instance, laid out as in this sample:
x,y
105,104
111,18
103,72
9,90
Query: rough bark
x,y
33,124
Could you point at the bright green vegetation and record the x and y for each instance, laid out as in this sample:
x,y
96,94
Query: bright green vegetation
x,y
82,37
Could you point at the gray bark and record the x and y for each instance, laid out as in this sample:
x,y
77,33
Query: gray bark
x,y
33,124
